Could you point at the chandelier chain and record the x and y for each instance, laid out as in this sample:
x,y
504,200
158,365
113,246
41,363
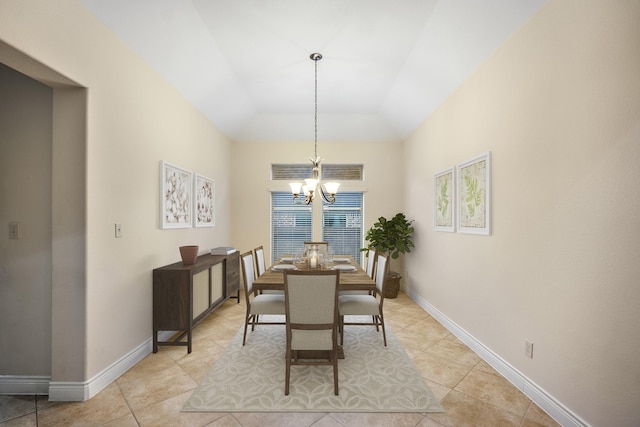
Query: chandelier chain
x,y
316,109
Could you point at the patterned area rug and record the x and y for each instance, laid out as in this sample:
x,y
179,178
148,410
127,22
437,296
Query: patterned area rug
x,y
372,378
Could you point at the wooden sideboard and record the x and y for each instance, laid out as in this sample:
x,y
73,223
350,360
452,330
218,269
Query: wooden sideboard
x,y
183,295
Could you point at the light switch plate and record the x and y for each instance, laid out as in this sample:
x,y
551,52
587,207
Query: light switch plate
x,y
14,230
528,349
118,230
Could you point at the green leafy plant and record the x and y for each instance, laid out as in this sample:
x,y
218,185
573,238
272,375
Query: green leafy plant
x,y
391,237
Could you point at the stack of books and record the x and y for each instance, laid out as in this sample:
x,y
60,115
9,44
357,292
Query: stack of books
x,y
222,250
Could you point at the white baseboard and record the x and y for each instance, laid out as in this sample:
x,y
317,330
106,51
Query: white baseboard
x,y
68,391
80,391
73,391
14,384
539,396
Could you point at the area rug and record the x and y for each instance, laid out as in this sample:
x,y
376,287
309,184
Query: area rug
x,y
372,378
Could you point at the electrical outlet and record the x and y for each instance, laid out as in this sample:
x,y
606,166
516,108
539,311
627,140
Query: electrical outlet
x,y
118,230
14,230
528,349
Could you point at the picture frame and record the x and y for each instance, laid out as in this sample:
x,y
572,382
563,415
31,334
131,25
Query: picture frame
x,y
474,195
176,198
204,214
444,200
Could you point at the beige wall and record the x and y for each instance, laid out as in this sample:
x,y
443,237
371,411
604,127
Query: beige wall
x,y
25,171
251,182
134,120
559,108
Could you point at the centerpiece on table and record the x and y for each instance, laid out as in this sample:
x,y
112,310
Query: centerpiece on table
x,y
391,237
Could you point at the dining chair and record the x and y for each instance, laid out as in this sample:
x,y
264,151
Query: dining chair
x,y
311,301
366,305
322,246
371,263
370,269
260,262
261,268
257,304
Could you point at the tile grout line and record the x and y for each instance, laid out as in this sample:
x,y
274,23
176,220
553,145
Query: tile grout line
x,y
36,407
131,411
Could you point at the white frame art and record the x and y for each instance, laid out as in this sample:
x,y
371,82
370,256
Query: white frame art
x,y
474,195
444,201
176,196
204,209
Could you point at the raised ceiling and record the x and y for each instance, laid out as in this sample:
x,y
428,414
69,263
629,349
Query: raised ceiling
x,y
245,63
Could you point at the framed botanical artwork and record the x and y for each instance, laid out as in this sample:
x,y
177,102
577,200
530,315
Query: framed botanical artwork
x,y
474,195
177,196
444,197
204,208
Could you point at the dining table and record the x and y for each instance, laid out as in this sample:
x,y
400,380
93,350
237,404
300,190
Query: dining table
x,y
351,279
352,275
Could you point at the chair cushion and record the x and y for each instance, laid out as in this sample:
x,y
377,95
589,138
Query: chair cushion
x,y
358,305
268,304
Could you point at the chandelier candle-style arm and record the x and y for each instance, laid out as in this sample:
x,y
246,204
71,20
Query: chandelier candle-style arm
x,y
332,189
308,194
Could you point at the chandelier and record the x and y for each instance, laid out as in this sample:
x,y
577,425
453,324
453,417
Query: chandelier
x,y
314,185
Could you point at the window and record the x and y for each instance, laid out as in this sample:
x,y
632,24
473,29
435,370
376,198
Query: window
x,y
290,171
342,225
342,172
330,172
290,225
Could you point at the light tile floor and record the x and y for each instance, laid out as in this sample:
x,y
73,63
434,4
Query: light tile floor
x,y
152,392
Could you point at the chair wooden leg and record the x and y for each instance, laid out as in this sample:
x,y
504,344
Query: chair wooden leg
x,y
246,322
341,330
384,334
335,372
288,373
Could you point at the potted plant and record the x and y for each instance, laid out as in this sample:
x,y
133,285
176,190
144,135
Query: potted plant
x,y
391,237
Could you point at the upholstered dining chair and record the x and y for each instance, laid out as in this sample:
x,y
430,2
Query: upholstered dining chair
x,y
371,263
311,301
257,304
370,269
366,305
261,267
322,246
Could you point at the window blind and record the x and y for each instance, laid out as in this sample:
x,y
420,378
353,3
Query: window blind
x,y
329,172
290,225
342,172
342,224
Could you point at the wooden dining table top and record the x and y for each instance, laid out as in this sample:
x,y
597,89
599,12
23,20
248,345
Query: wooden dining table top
x,y
357,280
